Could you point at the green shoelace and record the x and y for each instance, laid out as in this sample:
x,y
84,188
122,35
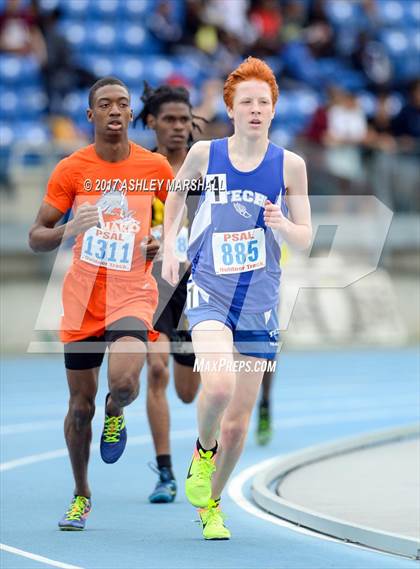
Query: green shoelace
x,y
112,429
77,508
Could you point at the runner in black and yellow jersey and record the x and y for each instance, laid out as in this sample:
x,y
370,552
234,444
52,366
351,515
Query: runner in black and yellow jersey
x,y
167,110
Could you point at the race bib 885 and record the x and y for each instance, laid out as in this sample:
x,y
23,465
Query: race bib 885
x,y
238,251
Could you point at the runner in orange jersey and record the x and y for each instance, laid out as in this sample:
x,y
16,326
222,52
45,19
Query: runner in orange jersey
x,y
109,293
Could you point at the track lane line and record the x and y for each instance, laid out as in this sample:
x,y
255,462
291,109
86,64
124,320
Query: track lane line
x,y
35,557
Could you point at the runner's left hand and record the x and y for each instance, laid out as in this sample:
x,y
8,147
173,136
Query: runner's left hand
x,y
274,217
150,248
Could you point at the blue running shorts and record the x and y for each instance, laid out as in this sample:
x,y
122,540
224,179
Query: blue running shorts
x,y
254,334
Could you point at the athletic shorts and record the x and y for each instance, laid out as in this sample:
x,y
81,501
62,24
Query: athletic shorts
x,y
89,352
181,348
169,317
91,303
254,334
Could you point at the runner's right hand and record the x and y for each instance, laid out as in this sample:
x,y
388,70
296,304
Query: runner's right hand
x,y
170,268
86,216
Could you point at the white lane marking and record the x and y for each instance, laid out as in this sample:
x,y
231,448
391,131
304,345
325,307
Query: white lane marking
x,y
133,415
39,558
62,452
309,420
32,459
18,428
315,419
235,491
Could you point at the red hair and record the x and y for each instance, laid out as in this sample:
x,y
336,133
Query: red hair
x,y
251,68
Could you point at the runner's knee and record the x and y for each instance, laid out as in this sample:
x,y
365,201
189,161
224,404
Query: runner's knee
x,y
158,375
219,394
81,413
126,389
185,393
233,433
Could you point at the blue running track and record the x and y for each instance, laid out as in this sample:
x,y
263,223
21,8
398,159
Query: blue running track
x,y
318,397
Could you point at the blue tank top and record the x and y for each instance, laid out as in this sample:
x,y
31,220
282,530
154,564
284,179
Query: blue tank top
x,y
235,257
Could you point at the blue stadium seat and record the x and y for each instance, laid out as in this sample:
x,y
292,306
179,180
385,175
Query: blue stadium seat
x,y
103,37
350,79
100,64
6,134
32,102
294,110
157,69
75,104
403,47
281,136
131,70
414,40
15,70
368,102
30,131
412,12
343,12
105,9
396,103
47,5
136,10
392,12
9,105
407,67
395,41
189,67
76,9
75,33
133,38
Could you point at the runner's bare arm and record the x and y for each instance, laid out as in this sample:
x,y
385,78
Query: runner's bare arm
x,y
297,229
44,236
194,167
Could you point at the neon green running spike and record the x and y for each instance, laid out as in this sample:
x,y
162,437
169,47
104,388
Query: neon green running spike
x,y
212,520
264,430
198,482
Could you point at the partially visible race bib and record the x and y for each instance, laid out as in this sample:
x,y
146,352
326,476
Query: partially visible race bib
x,y
238,251
107,249
181,245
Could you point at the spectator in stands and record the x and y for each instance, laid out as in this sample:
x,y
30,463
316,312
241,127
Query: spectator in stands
x,y
380,149
19,33
317,126
318,32
232,17
307,36
164,27
346,131
314,139
193,20
267,19
293,15
370,57
61,74
370,20
380,131
406,125
406,128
